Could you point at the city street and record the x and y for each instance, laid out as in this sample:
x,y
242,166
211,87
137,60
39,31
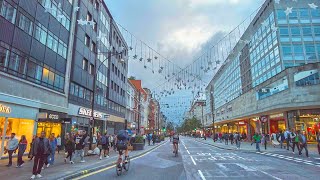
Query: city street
x,y
197,160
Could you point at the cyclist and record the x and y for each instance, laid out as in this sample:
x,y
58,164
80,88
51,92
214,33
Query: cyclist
x,y
122,145
175,140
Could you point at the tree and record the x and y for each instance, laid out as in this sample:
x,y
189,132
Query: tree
x,y
132,78
189,125
170,127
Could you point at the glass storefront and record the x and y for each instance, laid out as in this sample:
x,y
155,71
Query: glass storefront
x,y
49,128
18,126
308,121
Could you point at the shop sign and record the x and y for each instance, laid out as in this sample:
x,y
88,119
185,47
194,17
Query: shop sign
x,y
241,123
276,115
53,116
87,112
263,119
5,109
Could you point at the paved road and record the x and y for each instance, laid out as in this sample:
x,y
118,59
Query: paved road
x,y
200,161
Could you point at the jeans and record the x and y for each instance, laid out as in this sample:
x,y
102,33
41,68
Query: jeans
x,y
79,153
10,152
20,161
288,143
38,163
281,144
258,146
51,158
226,142
238,143
304,145
295,144
69,155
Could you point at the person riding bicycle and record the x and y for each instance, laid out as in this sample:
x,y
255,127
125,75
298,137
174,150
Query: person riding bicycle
x,y
122,141
175,140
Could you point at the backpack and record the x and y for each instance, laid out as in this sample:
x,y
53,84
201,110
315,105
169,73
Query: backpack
x,y
121,135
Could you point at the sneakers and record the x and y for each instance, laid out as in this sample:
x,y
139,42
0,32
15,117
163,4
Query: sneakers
x,y
65,160
107,156
39,176
17,166
100,157
9,165
42,168
33,177
71,162
48,165
82,161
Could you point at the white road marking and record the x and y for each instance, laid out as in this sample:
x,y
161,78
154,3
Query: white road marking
x,y
188,151
270,175
308,163
201,175
193,160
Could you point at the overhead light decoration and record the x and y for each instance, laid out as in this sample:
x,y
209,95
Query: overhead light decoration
x,y
82,22
149,60
155,57
141,59
288,11
76,8
135,56
130,48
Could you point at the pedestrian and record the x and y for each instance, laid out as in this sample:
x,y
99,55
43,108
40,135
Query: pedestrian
x,y
257,140
237,138
281,138
22,148
30,156
86,143
302,142
144,139
111,141
220,137
79,151
53,147
287,137
231,138
69,147
295,140
58,143
226,138
12,146
40,150
264,140
318,140
149,138
114,142
153,139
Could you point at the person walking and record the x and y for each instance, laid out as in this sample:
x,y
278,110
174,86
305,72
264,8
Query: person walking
x,y
111,141
220,137
302,142
231,138
58,143
79,151
237,138
257,140
318,140
12,146
287,137
226,138
281,139
53,146
149,138
22,148
40,150
86,143
70,147
30,156
295,140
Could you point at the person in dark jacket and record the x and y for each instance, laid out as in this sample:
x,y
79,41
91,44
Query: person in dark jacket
x,y
79,141
70,147
40,151
22,148
281,139
30,156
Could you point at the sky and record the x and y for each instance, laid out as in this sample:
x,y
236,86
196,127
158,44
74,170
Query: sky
x,y
178,29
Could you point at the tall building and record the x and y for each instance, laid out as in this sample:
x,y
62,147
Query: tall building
x,y
272,83
132,106
95,66
198,111
35,55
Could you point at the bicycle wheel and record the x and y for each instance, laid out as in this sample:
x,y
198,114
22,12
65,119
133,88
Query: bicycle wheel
x,y
119,170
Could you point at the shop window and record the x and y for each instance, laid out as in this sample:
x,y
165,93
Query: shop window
x,y
8,12
49,128
19,127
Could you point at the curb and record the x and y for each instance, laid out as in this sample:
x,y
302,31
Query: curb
x,y
84,172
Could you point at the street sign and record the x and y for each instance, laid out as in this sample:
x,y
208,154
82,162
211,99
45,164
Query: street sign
x,y
263,119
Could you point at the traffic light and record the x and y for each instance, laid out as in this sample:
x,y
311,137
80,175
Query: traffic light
x,y
195,129
164,129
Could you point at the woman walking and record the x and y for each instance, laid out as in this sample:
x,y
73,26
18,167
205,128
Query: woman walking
x,y
58,143
30,156
70,147
22,148
53,147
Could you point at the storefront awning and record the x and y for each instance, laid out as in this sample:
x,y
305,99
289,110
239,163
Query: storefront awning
x,y
115,119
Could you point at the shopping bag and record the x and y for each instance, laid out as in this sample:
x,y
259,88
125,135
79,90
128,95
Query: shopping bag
x,y
130,147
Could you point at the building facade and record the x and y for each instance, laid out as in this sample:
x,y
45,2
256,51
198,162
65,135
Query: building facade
x,y
272,83
34,56
131,106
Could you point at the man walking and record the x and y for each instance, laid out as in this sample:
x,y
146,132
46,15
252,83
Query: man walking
x,y
79,141
257,140
302,143
11,147
40,150
295,140
287,137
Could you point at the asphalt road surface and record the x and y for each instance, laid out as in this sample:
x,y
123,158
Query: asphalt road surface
x,y
200,161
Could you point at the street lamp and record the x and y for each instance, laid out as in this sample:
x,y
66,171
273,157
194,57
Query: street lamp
x,y
110,54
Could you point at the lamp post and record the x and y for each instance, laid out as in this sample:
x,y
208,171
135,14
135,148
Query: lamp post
x,y
92,120
212,113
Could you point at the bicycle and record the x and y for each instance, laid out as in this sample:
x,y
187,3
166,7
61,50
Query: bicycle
x,y
176,151
123,165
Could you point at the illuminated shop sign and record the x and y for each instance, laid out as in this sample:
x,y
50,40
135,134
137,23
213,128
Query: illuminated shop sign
x,y
53,116
87,112
5,109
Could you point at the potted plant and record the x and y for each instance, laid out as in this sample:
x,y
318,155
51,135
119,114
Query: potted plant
x,y
138,143
162,138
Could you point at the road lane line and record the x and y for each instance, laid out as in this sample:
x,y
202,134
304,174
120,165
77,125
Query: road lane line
x,y
193,161
188,151
270,175
112,166
201,175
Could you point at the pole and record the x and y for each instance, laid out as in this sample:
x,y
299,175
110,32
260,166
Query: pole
x,y
139,112
92,120
212,113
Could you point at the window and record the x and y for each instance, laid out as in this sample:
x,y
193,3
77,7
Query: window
x,y
85,64
8,11
25,24
17,63
112,67
45,75
71,91
51,78
96,5
81,93
34,71
91,69
310,52
87,40
95,26
4,57
93,47
40,33
89,17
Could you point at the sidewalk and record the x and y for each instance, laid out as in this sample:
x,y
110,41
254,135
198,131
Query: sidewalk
x,y
60,170
246,146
